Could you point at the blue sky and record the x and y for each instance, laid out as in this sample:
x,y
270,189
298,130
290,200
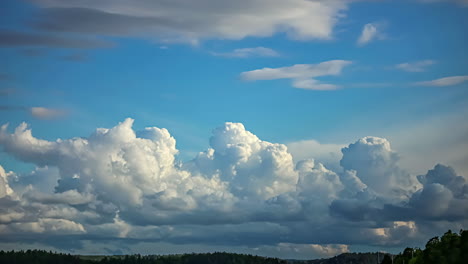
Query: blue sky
x,y
395,70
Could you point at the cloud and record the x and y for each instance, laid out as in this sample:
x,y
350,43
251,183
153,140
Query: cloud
x,y
33,52
370,32
38,112
303,251
300,19
5,77
253,167
249,52
10,107
417,155
124,187
376,165
298,71
446,81
301,74
9,38
47,113
311,84
75,57
460,2
418,66
328,154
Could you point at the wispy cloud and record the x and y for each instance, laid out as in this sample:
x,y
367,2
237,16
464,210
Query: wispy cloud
x,y
45,113
446,81
302,74
16,38
7,91
75,57
297,71
38,112
33,52
463,3
248,52
312,84
417,66
5,76
370,32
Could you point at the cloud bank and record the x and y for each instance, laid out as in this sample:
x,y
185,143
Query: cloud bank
x,y
124,187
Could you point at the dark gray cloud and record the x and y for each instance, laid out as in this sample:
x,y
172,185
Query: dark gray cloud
x,y
92,21
10,38
188,21
33,52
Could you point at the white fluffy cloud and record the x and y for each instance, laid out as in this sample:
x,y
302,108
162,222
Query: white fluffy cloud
x,y
300,19
251,166
123,184
376,165
302,74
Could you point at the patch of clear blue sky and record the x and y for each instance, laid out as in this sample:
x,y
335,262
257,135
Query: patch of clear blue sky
x,y
189,91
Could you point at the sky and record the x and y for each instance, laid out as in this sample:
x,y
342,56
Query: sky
x,y
286,128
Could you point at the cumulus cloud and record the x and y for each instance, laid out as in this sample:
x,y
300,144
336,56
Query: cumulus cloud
x,y
253,167
446,81
328,154
370,32
300,19
4,186
126,185
417,66
302,74
377,166
248,52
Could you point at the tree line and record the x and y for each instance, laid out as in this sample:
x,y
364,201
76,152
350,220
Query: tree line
x,y
451,248
48,257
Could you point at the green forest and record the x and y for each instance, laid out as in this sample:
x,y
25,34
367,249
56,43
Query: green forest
x,y
451,248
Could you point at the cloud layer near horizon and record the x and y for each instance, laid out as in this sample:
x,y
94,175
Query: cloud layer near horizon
x,y
126,185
